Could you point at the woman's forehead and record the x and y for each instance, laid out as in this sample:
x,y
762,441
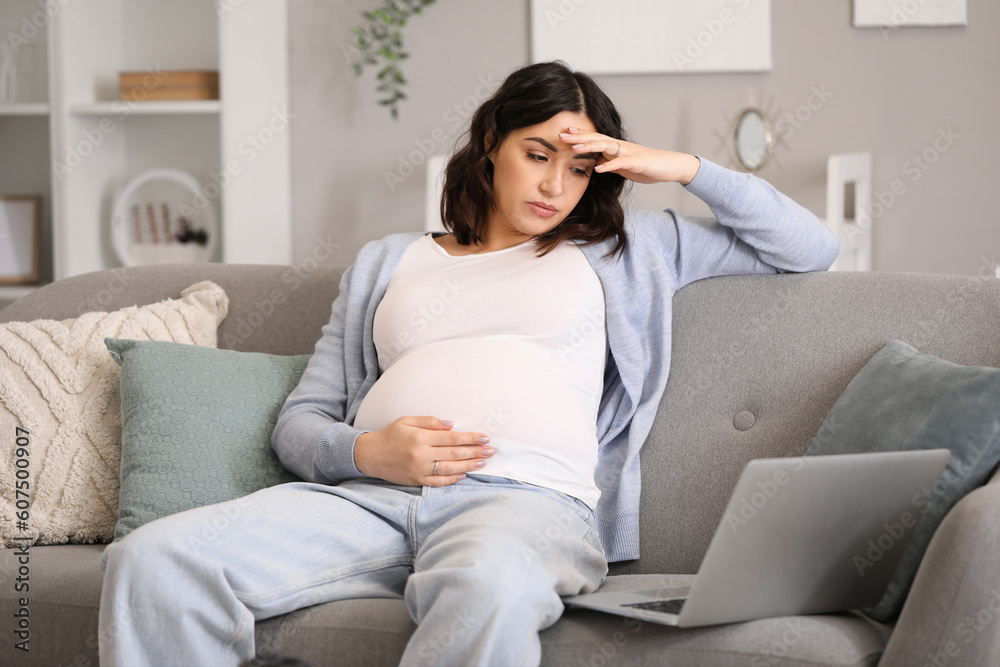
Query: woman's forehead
x,y
561,122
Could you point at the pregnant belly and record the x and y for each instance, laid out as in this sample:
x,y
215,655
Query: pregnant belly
x,y
493,385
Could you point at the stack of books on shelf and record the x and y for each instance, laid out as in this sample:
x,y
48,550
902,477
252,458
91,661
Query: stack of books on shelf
x,y
169,85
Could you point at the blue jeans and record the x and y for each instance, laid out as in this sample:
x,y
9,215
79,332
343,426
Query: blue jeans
x,y
481,563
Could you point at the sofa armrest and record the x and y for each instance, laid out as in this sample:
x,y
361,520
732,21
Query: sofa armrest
x,y
952,614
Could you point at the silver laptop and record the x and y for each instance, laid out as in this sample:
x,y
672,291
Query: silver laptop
x,y
801,535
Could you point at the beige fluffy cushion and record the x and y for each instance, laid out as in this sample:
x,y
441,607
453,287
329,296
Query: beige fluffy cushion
x,y
58,381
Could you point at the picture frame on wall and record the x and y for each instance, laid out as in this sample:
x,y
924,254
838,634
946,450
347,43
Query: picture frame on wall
x,y
897,13
653,36
20,239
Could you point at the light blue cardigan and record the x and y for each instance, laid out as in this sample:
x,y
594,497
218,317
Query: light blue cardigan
x,y
761,231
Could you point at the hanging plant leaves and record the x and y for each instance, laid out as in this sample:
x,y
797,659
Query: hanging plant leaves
x,y
379,43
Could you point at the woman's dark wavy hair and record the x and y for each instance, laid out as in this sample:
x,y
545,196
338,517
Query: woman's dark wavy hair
x,y
529,96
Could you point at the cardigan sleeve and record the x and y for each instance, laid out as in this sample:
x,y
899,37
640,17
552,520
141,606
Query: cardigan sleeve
x,y
757,230
311,436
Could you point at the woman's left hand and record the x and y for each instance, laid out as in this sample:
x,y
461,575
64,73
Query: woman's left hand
x,y
634,162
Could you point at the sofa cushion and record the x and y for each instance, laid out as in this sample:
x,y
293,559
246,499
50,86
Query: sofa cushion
x,y
375,632
63,598
196,425
58,383
903,399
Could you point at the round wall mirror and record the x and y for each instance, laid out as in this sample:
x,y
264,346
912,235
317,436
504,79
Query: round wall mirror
x,y
753,139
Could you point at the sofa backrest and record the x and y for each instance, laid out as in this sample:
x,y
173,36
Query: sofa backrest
x,y
272,309
757,362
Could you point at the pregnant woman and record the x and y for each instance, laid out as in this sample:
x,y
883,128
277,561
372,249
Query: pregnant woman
x,y
469,427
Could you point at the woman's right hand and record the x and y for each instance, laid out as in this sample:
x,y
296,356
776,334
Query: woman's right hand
x,y
404,452
641,164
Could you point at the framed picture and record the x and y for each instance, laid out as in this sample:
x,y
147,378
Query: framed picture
x,y
893,14
20,239
653,36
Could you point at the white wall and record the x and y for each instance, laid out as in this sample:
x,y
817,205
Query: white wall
x,y
890,93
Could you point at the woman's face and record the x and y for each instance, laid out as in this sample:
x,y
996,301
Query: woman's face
x,y
537,179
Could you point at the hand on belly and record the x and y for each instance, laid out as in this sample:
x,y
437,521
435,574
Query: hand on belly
x,y
407,451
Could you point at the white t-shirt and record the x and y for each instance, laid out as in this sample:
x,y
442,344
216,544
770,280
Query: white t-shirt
x,y
504,343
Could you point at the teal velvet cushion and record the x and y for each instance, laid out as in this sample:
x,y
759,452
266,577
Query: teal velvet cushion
x,y
196,425
903,399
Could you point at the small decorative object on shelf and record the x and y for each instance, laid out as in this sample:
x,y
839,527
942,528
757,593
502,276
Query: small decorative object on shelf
x,y
188,235
154,84
185,231
167,234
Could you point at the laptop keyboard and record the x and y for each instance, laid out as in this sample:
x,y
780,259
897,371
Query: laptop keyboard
x,y
671,606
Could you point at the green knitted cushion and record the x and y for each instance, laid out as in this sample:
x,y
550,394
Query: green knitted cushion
x,y
196,425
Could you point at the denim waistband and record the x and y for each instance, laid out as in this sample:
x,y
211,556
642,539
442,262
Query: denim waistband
x,y
476,482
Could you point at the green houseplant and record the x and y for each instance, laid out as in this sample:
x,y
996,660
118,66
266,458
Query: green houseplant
x,y
379,43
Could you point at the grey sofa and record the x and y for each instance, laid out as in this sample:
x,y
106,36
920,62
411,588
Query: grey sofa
x,y
757,363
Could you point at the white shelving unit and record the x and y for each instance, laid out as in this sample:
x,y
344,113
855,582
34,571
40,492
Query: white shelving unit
x,y
82,144
24,109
